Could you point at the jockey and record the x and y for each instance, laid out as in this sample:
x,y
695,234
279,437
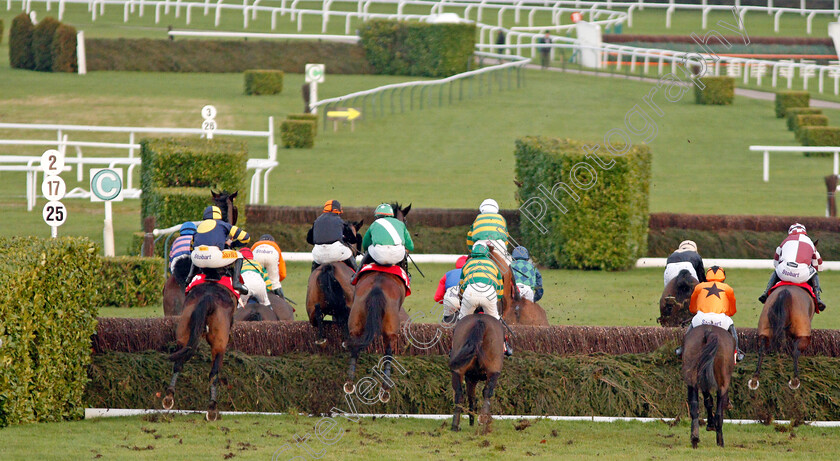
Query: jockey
x,y
714,303
527,276
179,254
685,257
268,254
209,244
797,260
489,227
387,240
332,237
255,278
447,291
481,285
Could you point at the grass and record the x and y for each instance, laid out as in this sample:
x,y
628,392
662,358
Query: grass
x,y
571,297
189,437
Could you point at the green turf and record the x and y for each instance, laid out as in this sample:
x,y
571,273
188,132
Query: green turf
x,y
261,437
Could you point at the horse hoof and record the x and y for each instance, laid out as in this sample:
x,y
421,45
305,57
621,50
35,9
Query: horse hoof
x,y
753,384
793,384
484,419
695,441
168,402
344,345
212,415
385,396
320,342
349,387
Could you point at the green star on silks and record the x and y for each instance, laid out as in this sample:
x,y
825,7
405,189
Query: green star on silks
x,y
714,290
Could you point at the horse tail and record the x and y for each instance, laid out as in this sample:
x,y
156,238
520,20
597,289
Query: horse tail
x,y
682,284
471,347
706,363
776,315
254,316
333,293
197,321
375,307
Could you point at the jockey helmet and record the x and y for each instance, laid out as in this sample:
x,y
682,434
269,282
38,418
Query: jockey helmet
x,y
688,245
796,229
267,237
520,252
332,206
212,212
715,274
246,253
489,206
460,262
383,210
188,228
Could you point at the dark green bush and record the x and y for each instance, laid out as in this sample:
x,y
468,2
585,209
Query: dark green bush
x,y
297,133
792,112
148,55
802,121
48,316
42,43
174,205
819,136
259,82
311,117
64,50
20,43
418,48
131,281
1,31
786,99
717,91
606,227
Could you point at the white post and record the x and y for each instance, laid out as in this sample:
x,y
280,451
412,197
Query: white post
x,y
836,163
766,166
53,232
313,97
80,53
108,231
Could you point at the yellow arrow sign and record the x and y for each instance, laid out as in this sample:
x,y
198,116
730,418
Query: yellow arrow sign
x,y
349,114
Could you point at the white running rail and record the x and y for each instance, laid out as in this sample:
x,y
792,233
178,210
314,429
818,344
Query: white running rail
x,y
795,149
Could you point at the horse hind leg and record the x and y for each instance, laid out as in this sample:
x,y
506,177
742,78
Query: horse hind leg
x,y
719,418
485,418
459,396
694,412
795,352
390,345
763,346
349,386
471,383
709,402
212,410
319,320
169,400
218,337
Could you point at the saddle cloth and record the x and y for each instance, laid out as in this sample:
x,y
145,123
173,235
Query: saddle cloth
x,y
201,278
393,270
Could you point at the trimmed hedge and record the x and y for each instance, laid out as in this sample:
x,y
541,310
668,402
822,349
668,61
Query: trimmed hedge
x,y
785,99
717,91
311,117
802,121
64,50
20,43
297,133
418,48
42,44
176,174
819,136
148,55
792,112
605,221
258,82
49,286
2,29
131,281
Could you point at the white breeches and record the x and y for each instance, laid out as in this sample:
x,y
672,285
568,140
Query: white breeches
x,y
330,253
212,257
718,320
387,255
525,291
479,295
256,288
269,258
673,269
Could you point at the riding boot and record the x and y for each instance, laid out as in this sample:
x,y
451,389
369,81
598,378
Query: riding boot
x,y
279,292
679,350
738,351
234,278
351,261
774,279
508,348
193,272
366,259
815,285
314,266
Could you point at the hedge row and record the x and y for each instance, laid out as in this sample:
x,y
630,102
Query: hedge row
x,y
49,286
2,25
757,223
595,217
819,136
734,244
306,117
808,120
130,281
716,91
297,133
48,47
632,385
259,82
150,55
418,48
626,38
792,112
176,174
787,99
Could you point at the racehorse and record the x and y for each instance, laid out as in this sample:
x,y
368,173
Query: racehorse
x,y
787,312
176,283
329,292
513,308
280,309
208,307
476,355
708,361
673,305
377,309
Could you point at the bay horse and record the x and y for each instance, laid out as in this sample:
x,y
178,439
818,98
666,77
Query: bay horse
x,y
329,292
208,310
476,355
513,308
176,283
673,304
787,312
280,310
708,361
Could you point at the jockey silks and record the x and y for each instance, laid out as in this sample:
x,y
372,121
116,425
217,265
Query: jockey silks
x,y
329,228
215,232
691,257
487,226
387,231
